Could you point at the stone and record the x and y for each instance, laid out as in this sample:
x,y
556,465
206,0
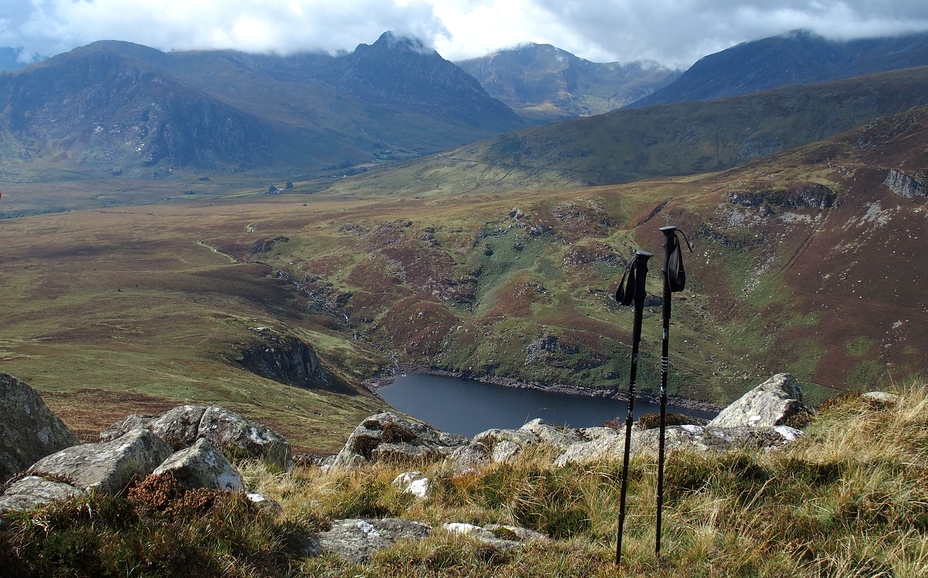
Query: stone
x,y
32,491
242,437
106,467
181,426
606,443
123,427
412,483
499,536
505,451
202,465
356,540
386,436
546,433
770,404
471,457
29,431
880,398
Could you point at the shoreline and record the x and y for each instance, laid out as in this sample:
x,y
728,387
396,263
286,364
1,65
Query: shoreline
x,y
388,377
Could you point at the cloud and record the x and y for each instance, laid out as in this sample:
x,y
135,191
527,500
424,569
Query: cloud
x,y
673,32
249,25
679,32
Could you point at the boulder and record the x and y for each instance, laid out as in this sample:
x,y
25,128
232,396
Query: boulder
x,y
356,540
202,466
183,425
387,437
245,438
123,427
880,398
558,437
29,431
692,438
499,536
32,491
769,404
107,466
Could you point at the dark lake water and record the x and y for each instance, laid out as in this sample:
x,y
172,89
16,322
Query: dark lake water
x,y
468,407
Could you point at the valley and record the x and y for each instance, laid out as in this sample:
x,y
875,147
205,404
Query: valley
x,y
282,285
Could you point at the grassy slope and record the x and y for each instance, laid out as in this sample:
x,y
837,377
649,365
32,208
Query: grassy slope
x,y
117,311
848,499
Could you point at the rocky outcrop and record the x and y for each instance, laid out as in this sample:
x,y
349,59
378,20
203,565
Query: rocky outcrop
x,y
286,359
202,466
356,540
135,448
33,491
29,430
106,467
770,404
500,537
762,418
905,186
387,437
239,437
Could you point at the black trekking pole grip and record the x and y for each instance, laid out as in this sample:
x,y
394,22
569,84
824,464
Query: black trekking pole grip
x,y
641,271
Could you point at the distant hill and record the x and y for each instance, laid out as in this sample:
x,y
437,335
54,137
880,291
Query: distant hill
x,y
115,107
676,139
543,83
798,57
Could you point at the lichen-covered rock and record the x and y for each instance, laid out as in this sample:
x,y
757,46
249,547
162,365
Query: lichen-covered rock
x,y
387,437
32,491
692,438
181,426
106,467
239,436
471,457
769,404
356,540
202,465
123,427
600,444
880,398
501,537
29,430
558,437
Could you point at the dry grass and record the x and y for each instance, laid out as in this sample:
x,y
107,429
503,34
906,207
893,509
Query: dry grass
x,y
849,499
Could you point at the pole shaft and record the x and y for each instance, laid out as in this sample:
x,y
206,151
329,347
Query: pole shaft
x,y
670,241
641,272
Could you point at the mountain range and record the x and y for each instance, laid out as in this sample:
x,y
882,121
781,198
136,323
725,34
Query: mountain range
x,y
120,108
798,57
543,83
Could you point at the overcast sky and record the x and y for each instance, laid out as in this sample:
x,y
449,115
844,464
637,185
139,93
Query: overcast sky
x,y
672,32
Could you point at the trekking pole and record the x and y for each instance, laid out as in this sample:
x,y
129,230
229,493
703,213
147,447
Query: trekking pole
x,y
636,272
674,280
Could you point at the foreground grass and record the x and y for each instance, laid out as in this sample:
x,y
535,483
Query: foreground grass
x,y
849,499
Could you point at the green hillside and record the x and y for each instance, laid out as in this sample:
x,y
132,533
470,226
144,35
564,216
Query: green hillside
x,y
668,140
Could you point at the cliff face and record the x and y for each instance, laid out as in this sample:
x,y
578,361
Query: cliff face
x,y
288,360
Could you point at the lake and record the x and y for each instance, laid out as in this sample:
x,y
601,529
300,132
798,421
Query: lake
x,y
468,407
